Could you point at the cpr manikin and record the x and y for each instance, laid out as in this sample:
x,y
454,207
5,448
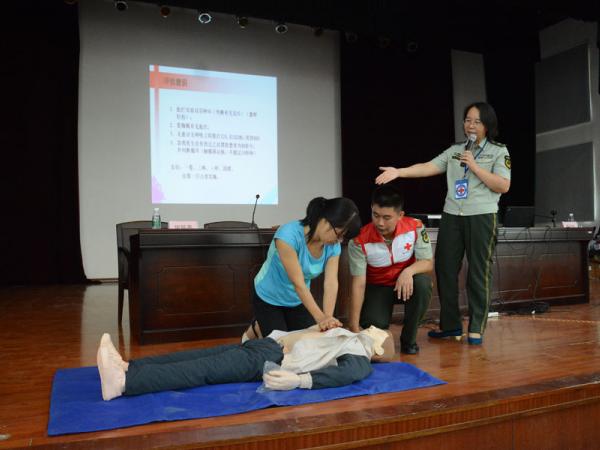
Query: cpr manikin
x,y
309,359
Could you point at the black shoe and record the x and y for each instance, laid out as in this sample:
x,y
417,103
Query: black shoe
x,y
409,349
439,334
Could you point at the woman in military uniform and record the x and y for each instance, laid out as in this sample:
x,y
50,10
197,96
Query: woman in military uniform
x,y
477,173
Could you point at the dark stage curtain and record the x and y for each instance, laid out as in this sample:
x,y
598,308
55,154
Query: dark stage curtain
x,y
397,110
510,80
39,76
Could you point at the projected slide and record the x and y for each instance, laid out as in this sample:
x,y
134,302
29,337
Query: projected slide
x,y
213,137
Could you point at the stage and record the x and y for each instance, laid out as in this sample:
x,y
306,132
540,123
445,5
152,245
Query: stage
x,y
535,383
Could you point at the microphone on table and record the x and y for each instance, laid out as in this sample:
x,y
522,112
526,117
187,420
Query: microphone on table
x,y
253,225
470,145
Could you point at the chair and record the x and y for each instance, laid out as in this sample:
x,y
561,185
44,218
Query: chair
x,y
124,231
519,216
429,220
422,217
594,244
230,224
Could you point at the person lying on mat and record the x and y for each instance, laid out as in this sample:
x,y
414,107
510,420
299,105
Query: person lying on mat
x,y
309,359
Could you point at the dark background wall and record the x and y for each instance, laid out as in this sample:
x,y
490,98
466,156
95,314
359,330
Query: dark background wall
x,y
568,181
510,57
397,107
396,111
564,120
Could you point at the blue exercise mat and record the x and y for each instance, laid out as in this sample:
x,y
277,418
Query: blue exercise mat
x,y
76,405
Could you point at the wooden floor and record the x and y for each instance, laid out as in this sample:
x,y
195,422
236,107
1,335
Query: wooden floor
x,y
535,383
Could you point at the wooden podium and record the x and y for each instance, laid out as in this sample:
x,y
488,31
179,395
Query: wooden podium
x,y
197,284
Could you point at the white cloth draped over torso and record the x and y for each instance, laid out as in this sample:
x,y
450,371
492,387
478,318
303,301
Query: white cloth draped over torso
x,y
314,353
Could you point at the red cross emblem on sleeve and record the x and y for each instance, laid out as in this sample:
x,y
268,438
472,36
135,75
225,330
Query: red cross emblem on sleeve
x,y
407,246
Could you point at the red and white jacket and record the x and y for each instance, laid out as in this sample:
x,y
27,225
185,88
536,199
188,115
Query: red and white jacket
x,y
384,263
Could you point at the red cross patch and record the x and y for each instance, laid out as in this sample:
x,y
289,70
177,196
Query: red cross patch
x,y
408,246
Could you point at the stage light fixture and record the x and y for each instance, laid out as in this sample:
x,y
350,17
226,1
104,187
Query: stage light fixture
x,y
383,41
281,28
204,17
242,21
318,31
121,5
351,37
412,47
165,11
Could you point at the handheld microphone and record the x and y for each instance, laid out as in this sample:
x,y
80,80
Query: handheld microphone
x,y
469,146
253,225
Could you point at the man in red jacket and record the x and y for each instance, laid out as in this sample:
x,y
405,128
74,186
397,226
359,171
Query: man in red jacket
x,y
389,261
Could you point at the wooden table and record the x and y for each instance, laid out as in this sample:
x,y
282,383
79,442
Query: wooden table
x,y
197,284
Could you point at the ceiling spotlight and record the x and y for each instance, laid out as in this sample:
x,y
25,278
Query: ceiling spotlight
x,y
351,37
204,18
165,11
318,31
281,28
412,46
121,5
242,21
383,41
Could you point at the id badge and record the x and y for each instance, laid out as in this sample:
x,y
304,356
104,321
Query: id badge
x,y
461,188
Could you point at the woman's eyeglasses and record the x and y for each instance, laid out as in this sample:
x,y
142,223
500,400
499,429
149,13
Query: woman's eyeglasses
x,y
339,236
477,122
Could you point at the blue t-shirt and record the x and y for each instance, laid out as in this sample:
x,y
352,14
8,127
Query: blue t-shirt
x,y
272,282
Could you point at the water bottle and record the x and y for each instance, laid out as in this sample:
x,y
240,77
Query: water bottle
x,y
571,217
156,224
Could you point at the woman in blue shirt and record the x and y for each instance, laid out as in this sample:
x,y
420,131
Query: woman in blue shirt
x,y
300,251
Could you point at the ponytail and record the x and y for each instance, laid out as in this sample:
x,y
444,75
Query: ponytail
x,y
340,212
314,213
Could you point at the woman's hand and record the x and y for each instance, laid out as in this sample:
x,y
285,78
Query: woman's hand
x,y
389,174
328,322
468,158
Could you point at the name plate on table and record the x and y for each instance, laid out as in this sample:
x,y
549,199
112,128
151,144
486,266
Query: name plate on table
x,y
570,225
183,224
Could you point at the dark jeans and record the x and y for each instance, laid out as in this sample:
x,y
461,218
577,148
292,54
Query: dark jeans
x,y
284,318
379,305
223,364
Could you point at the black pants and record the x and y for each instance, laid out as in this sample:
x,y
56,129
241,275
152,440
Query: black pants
x,y
474,236
223,364
379,304
284,318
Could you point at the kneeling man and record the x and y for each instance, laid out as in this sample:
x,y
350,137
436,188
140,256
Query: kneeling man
x,y
389,262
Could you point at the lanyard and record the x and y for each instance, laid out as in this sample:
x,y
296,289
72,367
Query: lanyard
x,y
475,157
